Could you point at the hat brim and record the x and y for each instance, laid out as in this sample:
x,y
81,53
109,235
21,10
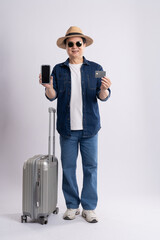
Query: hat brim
x,y
61,44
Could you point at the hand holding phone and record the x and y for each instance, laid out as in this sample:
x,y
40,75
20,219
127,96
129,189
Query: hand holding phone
x,y
45,72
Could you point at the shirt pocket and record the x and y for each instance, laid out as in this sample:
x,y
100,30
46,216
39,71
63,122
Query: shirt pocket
x,y
62,83
92,82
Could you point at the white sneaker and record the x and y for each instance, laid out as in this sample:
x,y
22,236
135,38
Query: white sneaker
x,y
70,214
90,216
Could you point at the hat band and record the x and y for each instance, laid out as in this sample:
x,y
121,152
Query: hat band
x,y
74,33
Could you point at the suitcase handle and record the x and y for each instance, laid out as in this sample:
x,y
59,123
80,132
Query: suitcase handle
x,y
37,194
38,189
51,110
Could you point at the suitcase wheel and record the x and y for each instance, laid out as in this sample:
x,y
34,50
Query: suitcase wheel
x,y
56,211
23,218
43,220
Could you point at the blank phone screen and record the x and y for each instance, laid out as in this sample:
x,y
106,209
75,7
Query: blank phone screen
x,y
45,73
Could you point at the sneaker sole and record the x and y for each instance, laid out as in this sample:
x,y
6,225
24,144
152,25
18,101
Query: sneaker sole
x,y
93,221
68,218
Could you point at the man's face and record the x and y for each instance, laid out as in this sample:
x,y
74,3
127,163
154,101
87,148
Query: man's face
x,y
75,51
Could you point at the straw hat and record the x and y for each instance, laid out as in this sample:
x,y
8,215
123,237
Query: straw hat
x,y
73,32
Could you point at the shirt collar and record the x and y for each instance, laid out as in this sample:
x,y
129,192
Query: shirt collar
x,y
85,61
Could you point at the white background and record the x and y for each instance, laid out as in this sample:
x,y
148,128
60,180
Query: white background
x,y
126,37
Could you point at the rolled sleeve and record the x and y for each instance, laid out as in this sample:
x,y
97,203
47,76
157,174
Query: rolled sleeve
x,y
50,99
105,99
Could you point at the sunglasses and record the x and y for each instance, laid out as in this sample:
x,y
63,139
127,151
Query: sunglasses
x,y
71,44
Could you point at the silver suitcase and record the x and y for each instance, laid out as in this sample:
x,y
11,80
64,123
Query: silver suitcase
x,y
40,182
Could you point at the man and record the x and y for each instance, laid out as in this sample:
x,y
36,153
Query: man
x,y
74,85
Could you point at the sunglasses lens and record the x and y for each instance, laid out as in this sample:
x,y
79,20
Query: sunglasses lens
x,y
79,44
70,44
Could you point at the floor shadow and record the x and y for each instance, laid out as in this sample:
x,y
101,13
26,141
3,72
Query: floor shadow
x,y
53,219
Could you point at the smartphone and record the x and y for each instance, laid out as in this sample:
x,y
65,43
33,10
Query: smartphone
x,y
100,74
45,71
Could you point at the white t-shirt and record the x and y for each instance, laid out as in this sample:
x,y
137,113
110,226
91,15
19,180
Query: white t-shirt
x,y
76,115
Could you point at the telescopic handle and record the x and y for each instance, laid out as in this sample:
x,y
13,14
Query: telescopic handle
x,y
51,138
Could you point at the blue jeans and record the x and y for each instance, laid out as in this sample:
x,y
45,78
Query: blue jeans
x,y
69,154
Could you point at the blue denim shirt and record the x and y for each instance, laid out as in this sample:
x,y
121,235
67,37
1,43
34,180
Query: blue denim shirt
x,y
90,92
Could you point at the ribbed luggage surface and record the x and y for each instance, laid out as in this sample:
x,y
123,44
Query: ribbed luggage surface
x,y
40,184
